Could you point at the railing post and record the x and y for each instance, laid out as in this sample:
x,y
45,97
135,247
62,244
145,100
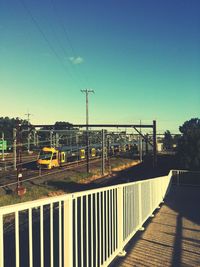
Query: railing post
x,y
151,200
140,206
68,232
178,177
1,242
120,218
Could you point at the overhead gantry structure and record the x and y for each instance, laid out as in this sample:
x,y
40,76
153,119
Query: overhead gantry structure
x,y
20,128
136,127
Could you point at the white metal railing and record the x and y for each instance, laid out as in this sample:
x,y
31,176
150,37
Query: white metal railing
x,y
88,228
185,177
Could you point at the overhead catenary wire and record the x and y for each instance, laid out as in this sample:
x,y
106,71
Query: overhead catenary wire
x,y
66,138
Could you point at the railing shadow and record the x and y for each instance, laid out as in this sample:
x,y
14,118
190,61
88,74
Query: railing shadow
x,y
181,241
184,200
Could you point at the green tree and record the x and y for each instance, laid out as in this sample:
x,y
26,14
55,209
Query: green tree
x,y
44,134
189,144
7,125
167,140
62,125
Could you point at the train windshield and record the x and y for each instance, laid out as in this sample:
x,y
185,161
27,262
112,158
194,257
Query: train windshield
x,y
45,155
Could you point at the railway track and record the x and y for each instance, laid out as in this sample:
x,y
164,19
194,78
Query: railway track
x,y
8,181
8,163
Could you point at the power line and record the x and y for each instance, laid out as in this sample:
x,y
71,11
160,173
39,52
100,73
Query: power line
x,y
62,47
63,27
43,35
66,34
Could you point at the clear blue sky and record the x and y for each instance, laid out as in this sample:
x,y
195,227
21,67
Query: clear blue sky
x,y
142,58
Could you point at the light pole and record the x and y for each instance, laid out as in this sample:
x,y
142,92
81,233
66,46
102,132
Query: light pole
x,y
87,91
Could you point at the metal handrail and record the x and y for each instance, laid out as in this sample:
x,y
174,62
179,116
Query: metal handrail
x,y
92,226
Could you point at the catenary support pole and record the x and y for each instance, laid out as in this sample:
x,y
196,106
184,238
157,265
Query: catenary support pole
x,y
140,144
34,137
154,145
3,146
29,135
14,149
51,138
103,152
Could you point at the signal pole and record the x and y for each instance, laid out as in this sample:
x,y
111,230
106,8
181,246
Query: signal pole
x,y
20,189
87,91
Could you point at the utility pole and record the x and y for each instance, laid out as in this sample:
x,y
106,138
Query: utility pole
x,y
87,91
28,139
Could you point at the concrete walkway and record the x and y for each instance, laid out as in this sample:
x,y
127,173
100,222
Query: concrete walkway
x,y
172,237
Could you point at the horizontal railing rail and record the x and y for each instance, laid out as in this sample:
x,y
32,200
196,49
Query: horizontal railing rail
x,y
88,228
186,177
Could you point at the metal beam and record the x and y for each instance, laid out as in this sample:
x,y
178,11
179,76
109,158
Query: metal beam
x,y
99,125
87,126
144,137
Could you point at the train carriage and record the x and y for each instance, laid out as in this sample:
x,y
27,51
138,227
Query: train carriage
x,y
51,157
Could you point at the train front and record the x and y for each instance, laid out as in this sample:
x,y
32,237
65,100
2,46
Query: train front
x,y
48,158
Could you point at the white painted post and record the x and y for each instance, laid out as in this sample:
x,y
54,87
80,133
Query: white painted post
x,y
1,242
30,237
140,205
60,234
51,235
68,232
17,239
120,222
42,236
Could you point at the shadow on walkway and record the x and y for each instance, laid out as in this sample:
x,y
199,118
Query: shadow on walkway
x,y
172,237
